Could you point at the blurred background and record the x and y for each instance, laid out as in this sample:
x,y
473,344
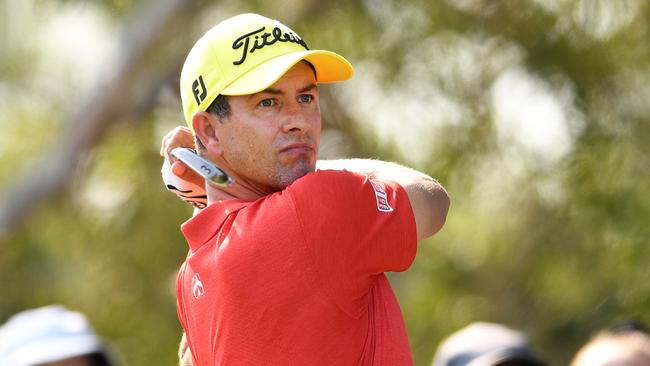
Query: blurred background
x,y
534,114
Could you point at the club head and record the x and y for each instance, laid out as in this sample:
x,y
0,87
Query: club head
x,y
203,167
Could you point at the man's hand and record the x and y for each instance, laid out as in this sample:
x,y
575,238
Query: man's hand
x,y
179,137
178,178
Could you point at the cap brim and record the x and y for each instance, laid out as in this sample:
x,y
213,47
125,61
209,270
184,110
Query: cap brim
x,y
330,67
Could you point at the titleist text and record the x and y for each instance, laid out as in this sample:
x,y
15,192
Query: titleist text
x,y
261,40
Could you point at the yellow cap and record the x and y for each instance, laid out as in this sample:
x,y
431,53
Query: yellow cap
x,y
246,54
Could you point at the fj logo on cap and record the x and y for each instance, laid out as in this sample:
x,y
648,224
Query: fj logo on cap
x,y
199,90
262,40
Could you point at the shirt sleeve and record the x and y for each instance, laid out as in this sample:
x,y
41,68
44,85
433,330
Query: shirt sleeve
x,y
355,228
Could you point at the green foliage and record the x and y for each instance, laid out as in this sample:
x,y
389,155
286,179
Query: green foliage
x,y
555,244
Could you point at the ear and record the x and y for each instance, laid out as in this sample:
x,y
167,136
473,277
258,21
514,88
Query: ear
x,y
205,127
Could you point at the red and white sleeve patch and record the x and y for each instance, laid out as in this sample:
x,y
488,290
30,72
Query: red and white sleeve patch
x,y
381,196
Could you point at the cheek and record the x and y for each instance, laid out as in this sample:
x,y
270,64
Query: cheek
x,y
250,146
315,119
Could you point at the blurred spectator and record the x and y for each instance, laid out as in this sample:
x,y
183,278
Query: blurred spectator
x,y
486,344
50,336
184,354
624,345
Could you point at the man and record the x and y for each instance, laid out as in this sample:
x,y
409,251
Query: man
x,y
286,265
626,345
51,336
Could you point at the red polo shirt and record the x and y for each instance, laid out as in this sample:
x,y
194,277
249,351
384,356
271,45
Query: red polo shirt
x,y
297,277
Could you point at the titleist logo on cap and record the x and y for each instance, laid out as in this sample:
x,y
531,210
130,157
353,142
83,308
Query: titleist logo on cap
x,y
262,40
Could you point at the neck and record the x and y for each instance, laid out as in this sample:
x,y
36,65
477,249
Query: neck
x,y
240,188
236,191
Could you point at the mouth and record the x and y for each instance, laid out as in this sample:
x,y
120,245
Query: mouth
x,y
299,148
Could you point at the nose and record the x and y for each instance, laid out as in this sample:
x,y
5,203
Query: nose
x,y
295,119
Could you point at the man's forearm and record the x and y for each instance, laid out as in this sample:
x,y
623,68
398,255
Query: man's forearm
x,y
428,198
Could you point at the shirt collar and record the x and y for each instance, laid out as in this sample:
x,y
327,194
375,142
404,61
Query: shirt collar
x,y
199,229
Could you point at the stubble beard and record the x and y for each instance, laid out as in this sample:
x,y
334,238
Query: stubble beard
x,y
289,174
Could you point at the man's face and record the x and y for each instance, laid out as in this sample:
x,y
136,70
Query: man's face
x,y
271,138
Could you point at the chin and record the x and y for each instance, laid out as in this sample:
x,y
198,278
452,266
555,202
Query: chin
x,y
296,172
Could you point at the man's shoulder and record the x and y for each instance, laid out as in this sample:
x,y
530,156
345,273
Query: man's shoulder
x,y
326,187
329,178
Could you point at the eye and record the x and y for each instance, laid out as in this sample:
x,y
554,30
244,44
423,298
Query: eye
x,y
305,98
267,103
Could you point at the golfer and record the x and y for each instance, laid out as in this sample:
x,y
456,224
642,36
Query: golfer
x,y
286,265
